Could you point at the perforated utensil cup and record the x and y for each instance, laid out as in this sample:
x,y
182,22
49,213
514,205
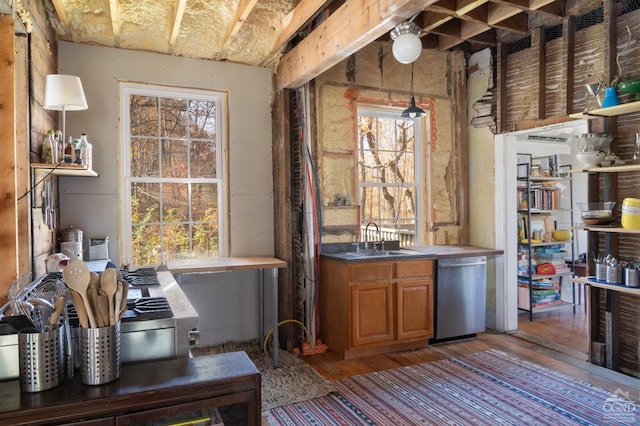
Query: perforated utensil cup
x,y
40,359
100,354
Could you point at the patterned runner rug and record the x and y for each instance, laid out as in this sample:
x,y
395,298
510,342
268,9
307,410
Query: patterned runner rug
x,y
486,388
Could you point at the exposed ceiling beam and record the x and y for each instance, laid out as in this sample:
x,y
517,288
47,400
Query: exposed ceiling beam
x,y
296,19
115,24
350,28
431,20
516,24
500,12
62,16
177,22
244,9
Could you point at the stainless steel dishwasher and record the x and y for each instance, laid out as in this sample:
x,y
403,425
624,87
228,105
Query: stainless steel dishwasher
x,y
460,297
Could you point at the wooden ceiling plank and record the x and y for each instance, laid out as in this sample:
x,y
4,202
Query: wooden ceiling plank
x,y
447,42
470,29
433,20
296,19
537,4
351,27
466,6
451,28
177,22
500,12
517,24
115,22
487,38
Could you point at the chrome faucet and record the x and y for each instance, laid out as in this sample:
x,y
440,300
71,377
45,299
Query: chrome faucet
x,y
366,234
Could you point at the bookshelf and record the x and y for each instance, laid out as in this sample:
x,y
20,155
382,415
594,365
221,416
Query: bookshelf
x,y
542,261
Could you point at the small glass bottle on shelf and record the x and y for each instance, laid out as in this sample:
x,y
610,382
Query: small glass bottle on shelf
x,y
48,150
68,151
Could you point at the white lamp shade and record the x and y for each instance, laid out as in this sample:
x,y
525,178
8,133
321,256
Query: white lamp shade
x,y
407,48
64,93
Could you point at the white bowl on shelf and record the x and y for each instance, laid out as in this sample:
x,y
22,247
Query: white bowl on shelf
x,y
590,159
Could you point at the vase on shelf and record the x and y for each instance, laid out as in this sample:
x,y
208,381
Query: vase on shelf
x,y
610,97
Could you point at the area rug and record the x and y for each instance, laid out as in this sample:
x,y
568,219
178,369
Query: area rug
x,y
293,380
486,388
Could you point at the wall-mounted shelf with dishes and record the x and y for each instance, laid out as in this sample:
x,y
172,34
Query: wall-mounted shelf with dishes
x,y
609,111
65,169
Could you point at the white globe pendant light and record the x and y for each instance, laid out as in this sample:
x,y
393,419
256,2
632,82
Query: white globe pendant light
x,y
406,42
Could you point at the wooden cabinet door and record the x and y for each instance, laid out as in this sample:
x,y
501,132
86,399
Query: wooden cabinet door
x,y
371,313
415,309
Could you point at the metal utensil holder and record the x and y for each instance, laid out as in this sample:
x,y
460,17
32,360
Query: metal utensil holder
x,y
613,274
40,359
601,272
631,277
100,354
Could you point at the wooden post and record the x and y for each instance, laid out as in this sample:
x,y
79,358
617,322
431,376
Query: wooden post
x,y
8,203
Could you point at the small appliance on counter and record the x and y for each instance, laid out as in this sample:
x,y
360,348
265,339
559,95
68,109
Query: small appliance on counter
x,y
71,242
99,248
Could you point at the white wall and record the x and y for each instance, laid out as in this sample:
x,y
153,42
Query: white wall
x,y
92,204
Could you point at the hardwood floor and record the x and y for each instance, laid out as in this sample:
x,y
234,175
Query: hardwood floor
x,y
554,340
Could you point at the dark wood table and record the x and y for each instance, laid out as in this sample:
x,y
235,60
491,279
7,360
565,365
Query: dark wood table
x,y
228,383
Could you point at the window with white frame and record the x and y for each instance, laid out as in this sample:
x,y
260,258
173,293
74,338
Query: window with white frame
x,y
173,177
389,177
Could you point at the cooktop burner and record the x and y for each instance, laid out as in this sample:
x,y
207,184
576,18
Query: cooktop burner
x,y
141,309
140,277
147,308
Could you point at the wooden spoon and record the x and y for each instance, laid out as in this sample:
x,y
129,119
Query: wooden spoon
x,y
109,285
61,304
81,311
103,308
123,300
76,275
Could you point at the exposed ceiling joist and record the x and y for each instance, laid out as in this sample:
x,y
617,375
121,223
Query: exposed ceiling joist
x,y
115,22
347,30
177,21
244,9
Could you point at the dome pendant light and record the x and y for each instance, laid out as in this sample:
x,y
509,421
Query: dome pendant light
x,y
406,42
413,111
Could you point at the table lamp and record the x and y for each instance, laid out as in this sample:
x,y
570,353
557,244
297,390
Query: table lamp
x,y
64,93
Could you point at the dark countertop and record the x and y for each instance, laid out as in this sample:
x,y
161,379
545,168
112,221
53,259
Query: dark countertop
x,y
345,252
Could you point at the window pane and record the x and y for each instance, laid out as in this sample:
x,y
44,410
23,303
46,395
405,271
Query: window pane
x,y
203,159
175,242
174,159
205,240
146,244
387,174
175,202
145,203
174,118
202,115
144,115
144,157
204,203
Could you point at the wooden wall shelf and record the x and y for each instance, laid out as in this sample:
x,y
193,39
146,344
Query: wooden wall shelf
x,y
65,169
609,112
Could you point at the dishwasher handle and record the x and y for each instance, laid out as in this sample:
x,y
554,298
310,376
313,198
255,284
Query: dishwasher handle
x,y
460,265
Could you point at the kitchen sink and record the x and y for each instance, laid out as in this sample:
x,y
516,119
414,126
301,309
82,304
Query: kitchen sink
x,y
376,253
